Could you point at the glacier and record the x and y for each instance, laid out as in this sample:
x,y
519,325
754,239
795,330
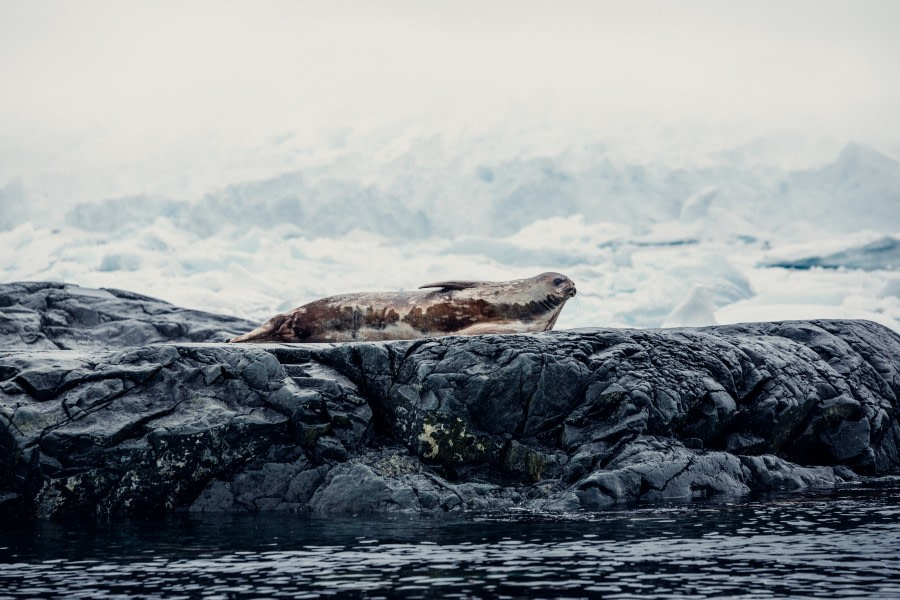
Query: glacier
x,y
649,242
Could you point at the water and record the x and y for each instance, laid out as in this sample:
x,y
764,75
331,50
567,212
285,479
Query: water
x,y
838,544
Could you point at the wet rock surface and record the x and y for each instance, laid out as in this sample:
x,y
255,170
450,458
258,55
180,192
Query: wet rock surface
x,y
98,419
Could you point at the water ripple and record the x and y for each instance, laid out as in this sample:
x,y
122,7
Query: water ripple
x,y
829,545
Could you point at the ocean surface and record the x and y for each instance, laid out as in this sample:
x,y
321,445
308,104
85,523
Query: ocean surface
x,y
841,543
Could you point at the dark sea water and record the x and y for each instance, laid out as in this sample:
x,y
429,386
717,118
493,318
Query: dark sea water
x,y
821,544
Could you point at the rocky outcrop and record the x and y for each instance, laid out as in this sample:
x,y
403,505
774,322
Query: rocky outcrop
x,y
52,316
559,421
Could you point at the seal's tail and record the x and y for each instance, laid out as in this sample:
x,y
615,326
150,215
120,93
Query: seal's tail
x,y
263,333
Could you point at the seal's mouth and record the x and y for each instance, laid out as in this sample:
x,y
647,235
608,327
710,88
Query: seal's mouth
x,y
570,291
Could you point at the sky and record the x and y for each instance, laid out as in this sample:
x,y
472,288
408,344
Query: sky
x,y
179,95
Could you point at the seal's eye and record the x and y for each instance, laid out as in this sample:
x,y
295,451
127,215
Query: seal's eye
x,y
558,281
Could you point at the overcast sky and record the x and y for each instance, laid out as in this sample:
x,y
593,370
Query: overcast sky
x,y
157,73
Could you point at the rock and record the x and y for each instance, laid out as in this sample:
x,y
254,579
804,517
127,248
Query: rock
x,y
61,316
560,421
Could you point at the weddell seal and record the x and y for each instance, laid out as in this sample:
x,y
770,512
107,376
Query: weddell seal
x,y
448,308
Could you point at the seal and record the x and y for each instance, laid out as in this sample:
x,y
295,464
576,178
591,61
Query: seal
x,y
447,308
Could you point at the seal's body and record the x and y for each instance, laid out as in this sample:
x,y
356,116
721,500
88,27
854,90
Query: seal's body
x,y
447,308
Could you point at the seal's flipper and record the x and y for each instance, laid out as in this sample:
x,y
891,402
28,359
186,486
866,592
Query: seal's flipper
x,y
452,285
495,327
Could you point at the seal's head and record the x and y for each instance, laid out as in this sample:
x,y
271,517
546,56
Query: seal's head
x,y
556,285
550,292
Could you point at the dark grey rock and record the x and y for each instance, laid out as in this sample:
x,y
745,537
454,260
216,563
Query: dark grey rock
x,y
61,316
560,421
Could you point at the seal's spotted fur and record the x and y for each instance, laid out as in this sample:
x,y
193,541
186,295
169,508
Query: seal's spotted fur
x,y
446,308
